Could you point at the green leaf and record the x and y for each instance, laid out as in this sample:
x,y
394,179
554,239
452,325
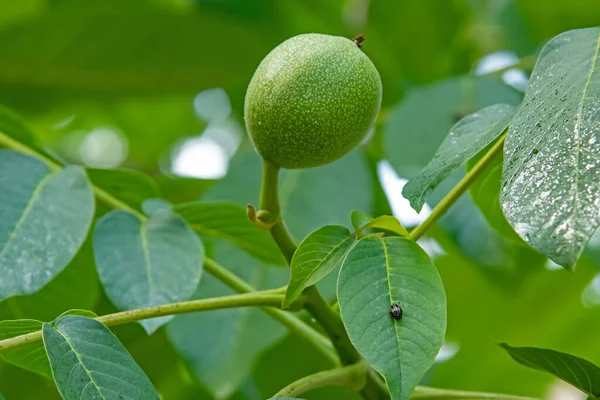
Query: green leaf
x,y
467,137
182,190
310,198
222,346
45,219
379,272
89,362
14,127
147,263
31,357
82,313
129,186
551,171
151,206
228,221
109,67
362,221
75,287
412,136
574,370
317,255
485,193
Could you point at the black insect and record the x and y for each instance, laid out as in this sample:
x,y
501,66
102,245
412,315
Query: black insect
x,y
396,311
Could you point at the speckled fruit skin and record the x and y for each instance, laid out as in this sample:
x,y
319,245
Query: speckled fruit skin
x,y
311,100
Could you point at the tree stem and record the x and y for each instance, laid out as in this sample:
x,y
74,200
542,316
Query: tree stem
x,y
352,377
329,320
269,192
239,300
294,324
430,393
440,209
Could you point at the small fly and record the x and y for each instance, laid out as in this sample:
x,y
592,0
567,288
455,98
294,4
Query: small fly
x,y
396,311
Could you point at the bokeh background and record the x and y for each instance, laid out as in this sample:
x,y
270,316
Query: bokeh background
x,y
158,86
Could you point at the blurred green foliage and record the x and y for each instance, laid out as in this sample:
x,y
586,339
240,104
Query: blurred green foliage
x,y
133,68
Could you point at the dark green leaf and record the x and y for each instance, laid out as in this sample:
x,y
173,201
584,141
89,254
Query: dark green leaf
x,y
46,217
467,137
379,272
129,186
89,362
182,190
109,67
222,346
550,187
574,370
317,255
390,32
229,221
147,263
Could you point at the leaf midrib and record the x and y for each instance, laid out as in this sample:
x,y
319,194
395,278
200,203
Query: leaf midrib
x,y
387,271
88,373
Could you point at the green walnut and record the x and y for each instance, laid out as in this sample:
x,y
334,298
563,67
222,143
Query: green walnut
x,y
312,100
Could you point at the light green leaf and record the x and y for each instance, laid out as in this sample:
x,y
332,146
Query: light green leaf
x,y
574,370
222,346
360,219
410,122
31,357
467,137
89,362
147,263
317,255
151,206
550,186
75,287
82,313
129,186
379,272
45,219
228,221
14,127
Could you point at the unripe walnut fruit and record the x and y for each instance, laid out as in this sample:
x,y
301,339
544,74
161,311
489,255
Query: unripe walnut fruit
x,y
311,100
